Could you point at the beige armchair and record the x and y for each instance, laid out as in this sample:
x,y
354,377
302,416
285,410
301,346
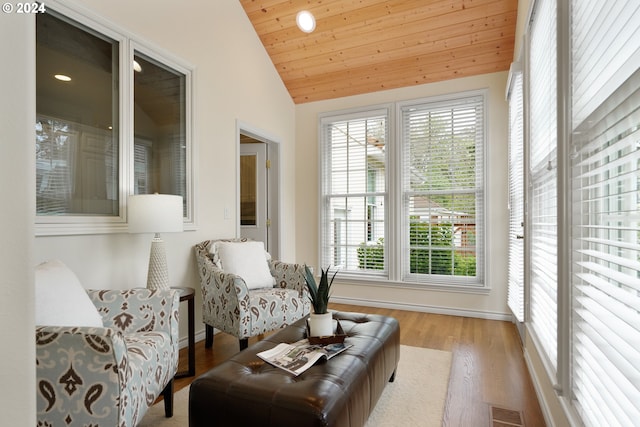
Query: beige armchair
x,y
245,293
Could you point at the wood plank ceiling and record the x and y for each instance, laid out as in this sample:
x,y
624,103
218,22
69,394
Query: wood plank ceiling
x,y
362,46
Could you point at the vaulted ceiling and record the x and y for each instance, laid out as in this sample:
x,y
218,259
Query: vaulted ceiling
x,y
362,46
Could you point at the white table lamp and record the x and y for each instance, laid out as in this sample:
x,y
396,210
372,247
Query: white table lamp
x,y
155,213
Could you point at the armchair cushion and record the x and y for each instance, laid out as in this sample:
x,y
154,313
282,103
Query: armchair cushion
x,y
248,260
60,299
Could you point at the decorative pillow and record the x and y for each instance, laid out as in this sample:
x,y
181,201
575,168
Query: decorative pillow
x,y
60,298
213,250
248,260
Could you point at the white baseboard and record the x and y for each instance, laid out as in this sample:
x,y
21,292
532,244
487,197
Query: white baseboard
x,y
200,335
424,308
535,379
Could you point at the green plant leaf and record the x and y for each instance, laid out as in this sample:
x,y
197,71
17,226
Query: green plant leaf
x,y
319,293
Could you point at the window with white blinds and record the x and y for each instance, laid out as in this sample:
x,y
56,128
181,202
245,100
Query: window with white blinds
x,y
435,234
543,172
354,192
605,51
605,371
443,190
515,290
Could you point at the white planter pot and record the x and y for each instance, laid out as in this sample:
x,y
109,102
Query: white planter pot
x,y
321,325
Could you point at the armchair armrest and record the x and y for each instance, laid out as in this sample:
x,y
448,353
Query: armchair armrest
x,y
229,294
81,375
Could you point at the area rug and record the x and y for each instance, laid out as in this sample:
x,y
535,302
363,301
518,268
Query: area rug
x,y
415,398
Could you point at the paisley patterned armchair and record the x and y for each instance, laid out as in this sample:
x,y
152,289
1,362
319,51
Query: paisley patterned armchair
x,y
109,376
232,306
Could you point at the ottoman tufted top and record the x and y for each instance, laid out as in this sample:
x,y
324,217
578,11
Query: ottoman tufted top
x,y
342,391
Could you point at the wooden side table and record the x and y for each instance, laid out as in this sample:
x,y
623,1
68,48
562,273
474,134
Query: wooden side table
x,y
188,294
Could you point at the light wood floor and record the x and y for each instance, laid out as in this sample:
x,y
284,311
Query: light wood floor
x,y
488,364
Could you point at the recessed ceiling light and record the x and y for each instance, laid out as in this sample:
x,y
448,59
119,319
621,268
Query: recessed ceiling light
x,y
62,77
136,66
305,20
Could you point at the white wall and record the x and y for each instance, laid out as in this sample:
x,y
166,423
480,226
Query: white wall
x,y
492,304
17,183
234,80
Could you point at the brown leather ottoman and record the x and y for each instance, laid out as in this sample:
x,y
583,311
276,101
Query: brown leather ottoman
x,y
343,391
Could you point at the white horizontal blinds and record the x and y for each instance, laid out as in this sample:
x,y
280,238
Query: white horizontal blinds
x,y
56,148
443,190
141,162
606,270
606,229
354,192
515,289
543,189
606,52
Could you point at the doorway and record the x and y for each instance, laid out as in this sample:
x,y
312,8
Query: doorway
x,y
258,189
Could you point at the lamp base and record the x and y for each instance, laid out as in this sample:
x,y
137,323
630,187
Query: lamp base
x,y
158,275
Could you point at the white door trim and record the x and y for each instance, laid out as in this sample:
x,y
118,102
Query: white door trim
x,y
274,185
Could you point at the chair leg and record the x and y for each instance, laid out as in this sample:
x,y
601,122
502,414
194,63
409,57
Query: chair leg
x,y
208,338
167,395
244,343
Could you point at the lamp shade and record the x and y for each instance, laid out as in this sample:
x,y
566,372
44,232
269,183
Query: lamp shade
x,y
155,213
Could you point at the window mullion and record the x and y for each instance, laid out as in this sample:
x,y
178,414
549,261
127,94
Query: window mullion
x,y
563,55
126,121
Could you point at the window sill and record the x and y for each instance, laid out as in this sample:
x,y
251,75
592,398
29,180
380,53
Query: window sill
x,y
437,287
88,228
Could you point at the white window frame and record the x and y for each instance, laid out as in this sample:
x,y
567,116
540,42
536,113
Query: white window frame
x,y
603,324
594,378
394,227
516,149
52,225
542,323
325,258
403,257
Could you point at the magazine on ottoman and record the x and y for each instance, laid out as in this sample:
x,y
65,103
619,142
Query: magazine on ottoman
x,y
299,356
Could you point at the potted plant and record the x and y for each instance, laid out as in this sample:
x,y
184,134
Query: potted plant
x,y
321,320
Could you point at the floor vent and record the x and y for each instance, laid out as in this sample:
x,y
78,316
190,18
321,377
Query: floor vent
x,y
501,417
